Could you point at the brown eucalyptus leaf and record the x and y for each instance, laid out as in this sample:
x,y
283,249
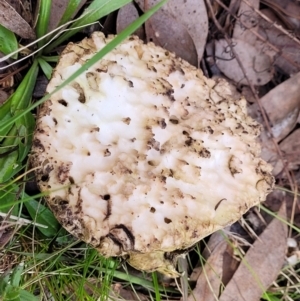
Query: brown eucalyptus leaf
x,y
248,19
282,105
126,15
16,4
10,19
270,154
24,9
290,148
3,97
6,233
284,8
179,26
261,264
58,8
257,65
210,278
269,151
192,15
165,31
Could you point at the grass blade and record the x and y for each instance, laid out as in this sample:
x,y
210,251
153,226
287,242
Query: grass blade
x,y
7,195
22,96
26,296
70,11
9,155
95,11
5,114
43,21
8,42
42,215
25,126
46,67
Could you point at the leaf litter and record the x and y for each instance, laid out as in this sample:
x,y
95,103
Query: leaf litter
x,y
256,34
10,19
180,26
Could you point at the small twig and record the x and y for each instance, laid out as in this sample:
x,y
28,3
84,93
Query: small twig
x,y
22,221
10,74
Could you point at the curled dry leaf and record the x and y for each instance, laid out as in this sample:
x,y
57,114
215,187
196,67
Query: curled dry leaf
x,y
210,278
282,105
270,153
181,26
260,265
257,65
290,148
10,19
126,15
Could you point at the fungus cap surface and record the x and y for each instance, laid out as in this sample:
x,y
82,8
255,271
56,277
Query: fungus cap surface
x,y
142,154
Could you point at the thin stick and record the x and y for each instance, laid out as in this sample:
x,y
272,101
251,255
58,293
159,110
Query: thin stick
x,y
22,221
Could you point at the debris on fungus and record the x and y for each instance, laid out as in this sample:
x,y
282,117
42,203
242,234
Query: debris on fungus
x,y
142,155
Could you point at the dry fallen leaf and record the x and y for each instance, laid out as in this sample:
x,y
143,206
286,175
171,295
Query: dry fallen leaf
x,y
287,57
258,66
290,148
3,97
10,19
210,278
267,38
23,8
269,152
248,19
288,11
7,232
282,105
261,264
180,26
58,8
126,15
192,15
165,31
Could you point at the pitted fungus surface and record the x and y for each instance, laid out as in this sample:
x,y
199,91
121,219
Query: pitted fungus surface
x,y
143,155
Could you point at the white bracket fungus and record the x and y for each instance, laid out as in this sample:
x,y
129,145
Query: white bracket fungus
x,y
143,155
